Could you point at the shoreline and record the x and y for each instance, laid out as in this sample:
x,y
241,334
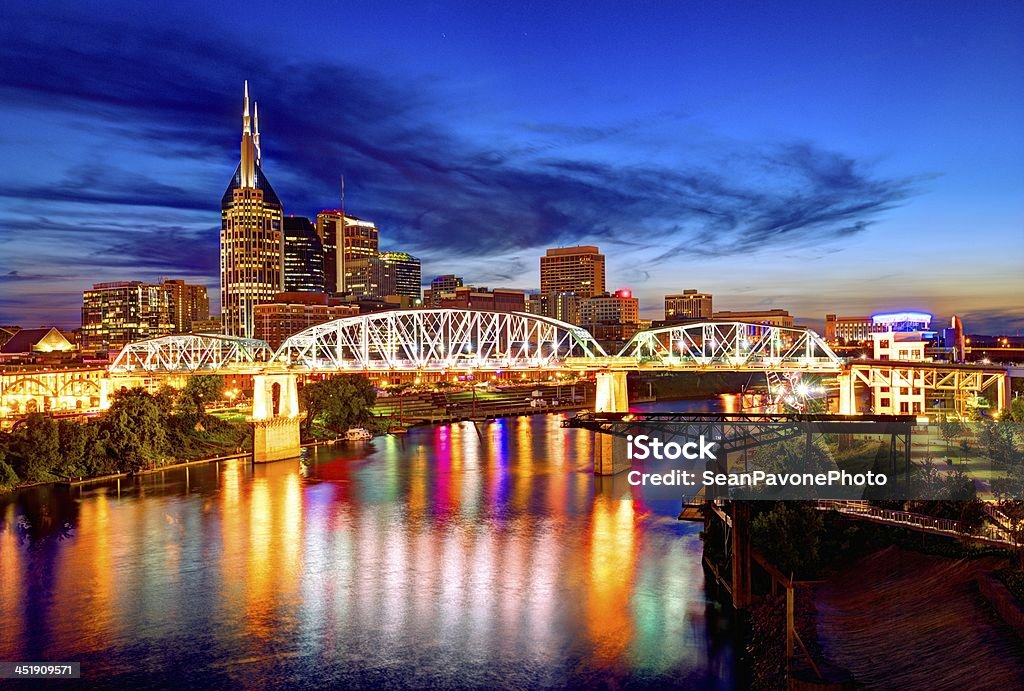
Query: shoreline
x,y
483,417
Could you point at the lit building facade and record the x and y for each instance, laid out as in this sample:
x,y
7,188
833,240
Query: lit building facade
x,y
446,283
497,300
303,256
118,313
848,330
189,304
291,313
388,273
562,306
579,270
619,307
767,317
688,306
358,240
251,236
403,274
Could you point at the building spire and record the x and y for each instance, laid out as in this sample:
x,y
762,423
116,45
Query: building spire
x,y
256,131
245,110
247,168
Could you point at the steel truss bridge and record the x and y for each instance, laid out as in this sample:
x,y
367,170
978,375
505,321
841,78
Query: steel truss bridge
x,y
191,353
438,340
441,340
449,341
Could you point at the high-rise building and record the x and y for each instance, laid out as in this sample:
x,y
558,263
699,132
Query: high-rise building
x,y
687,306
189,304
577,270
611,318
251,237
564,306
619,307
303,256
388,273
444,284
359,240
118,313
403,274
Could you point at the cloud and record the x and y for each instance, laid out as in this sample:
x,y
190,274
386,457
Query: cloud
x,y
431,188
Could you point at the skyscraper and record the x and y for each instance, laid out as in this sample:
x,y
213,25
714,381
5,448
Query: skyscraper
x,y
359,240
403,272
303,256
251,237
118,313
688,305
189,303
577,270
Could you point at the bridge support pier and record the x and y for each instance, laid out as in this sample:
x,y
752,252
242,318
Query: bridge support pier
x,y
847,393
275,417
610,455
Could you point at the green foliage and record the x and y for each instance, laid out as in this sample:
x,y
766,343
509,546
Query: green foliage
x,y
201,389
36,448
951,429
8,478
1015,412
338,403
136,430
789,535
998,441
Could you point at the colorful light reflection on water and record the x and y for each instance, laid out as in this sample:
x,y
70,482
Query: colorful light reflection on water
x,y
454,556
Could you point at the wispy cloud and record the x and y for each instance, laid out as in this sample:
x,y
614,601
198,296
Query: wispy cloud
x,y
431,188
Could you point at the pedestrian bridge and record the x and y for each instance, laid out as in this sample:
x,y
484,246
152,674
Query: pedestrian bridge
x,y
442,340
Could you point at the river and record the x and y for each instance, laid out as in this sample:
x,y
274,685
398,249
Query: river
x,y
447,558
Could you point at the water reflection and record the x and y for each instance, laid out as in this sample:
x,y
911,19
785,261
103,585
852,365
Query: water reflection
x,y
451,556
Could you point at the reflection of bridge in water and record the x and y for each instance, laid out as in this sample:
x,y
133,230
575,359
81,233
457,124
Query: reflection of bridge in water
x,y
442,344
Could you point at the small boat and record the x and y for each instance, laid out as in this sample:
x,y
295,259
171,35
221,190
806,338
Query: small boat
x,y
358,434
398,430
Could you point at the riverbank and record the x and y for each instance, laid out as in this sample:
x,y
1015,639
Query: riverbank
x,y
898,619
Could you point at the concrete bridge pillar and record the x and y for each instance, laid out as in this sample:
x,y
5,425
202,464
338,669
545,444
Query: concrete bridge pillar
x,y
847,394
275,417
610,456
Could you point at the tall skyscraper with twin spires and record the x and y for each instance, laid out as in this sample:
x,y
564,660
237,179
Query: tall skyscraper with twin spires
x,y
251,236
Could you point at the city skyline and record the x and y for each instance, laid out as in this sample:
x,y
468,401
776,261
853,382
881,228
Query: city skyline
x,y
815,185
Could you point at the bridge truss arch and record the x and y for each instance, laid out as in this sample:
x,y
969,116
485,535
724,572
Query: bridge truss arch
x,y
733,345
190,353
438,340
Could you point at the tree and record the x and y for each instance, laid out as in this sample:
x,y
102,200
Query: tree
x,y
75,446
201,389
1016,410
950,430
36,448
789,536
136,431
8,478
341,402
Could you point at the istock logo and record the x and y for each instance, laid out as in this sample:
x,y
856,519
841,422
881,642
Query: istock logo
x,y
642,447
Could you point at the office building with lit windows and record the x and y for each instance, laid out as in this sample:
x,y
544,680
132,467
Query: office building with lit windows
x,y
579,270
251,237
117,313
291,313
303,256
444,284
687,306
357,239
774,317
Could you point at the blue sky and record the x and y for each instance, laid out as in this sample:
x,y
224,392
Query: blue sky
x,y
819,157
